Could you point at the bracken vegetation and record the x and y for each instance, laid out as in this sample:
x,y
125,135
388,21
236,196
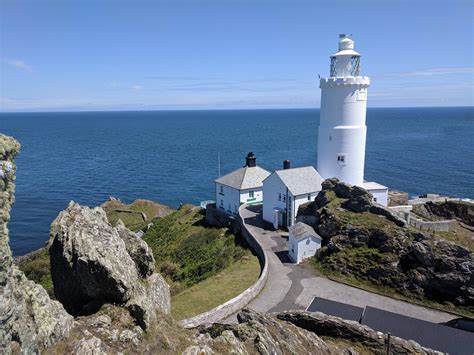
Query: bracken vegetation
x,y
188,251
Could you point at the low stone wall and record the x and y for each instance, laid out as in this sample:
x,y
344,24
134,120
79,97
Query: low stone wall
x,y
434,226
235,304
218,218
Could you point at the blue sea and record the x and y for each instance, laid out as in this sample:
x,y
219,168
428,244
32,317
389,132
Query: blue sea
x,y
171,156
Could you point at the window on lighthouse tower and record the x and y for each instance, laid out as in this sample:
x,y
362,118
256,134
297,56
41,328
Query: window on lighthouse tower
x,y
341,159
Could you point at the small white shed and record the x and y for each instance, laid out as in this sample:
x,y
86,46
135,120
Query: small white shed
x,y
303,241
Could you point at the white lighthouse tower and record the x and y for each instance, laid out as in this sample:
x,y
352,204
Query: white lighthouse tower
x,y
342,129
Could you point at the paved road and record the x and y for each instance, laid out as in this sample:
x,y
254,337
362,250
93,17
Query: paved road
x,y
291,286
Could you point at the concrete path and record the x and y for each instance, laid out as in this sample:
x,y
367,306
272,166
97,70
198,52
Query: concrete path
x,y
291,286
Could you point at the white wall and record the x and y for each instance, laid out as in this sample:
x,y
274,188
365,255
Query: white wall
x,y
305,248
272,187
230,198
380,196
342,129
257,196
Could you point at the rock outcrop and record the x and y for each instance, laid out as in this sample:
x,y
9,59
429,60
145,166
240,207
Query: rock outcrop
x,y
451,209
29,320
111,331
138,250
93,263
325,325
366,240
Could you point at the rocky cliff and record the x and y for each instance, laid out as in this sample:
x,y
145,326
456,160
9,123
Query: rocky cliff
x,y
365,240
29,319
459,210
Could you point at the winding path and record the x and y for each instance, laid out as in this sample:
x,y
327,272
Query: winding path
x,y
291,286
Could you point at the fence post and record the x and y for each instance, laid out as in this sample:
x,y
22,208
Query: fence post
x,y
388,343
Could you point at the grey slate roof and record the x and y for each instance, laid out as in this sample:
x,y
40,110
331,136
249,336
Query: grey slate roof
x,y
302,180
244,178
301,230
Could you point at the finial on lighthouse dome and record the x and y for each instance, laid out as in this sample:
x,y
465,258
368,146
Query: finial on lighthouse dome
x,y
345,42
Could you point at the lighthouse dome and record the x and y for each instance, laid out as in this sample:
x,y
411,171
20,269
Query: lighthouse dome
x,y
345,43
346,47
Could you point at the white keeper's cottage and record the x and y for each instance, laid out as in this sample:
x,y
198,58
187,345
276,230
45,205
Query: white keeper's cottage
x,y
244,185
285,190
303,242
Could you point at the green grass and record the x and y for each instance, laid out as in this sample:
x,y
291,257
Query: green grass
x,y
132,220
36,267
132,214
460,236
217,289
188,251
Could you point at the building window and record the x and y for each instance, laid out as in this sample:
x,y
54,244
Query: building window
x,y
330,138
251,194
341,158
279,196
222,203
222,189
355,65
284,198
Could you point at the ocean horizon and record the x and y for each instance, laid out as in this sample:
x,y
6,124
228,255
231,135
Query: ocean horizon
x,y
170,156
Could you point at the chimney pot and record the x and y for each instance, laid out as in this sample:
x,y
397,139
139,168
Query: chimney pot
x,y
250,160
286,164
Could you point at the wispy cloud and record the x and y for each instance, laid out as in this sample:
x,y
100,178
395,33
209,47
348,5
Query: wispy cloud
x,y
18,63
179,78
116,85
435,71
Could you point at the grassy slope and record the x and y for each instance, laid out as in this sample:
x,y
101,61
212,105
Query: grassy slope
x,y
216,290
364,258
205,266
188,251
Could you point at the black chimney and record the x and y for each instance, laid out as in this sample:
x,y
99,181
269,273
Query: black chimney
x,y
286,164
250,160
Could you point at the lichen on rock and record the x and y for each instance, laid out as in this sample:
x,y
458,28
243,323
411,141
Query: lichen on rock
x,y
29,320
93,263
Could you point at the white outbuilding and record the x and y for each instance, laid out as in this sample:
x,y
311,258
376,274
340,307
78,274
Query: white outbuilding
x,y
244,185
303,242
285,190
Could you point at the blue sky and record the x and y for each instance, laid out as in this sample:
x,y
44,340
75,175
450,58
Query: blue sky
x,y
137,55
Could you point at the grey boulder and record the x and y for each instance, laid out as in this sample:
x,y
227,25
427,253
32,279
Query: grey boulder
x,y
95,263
